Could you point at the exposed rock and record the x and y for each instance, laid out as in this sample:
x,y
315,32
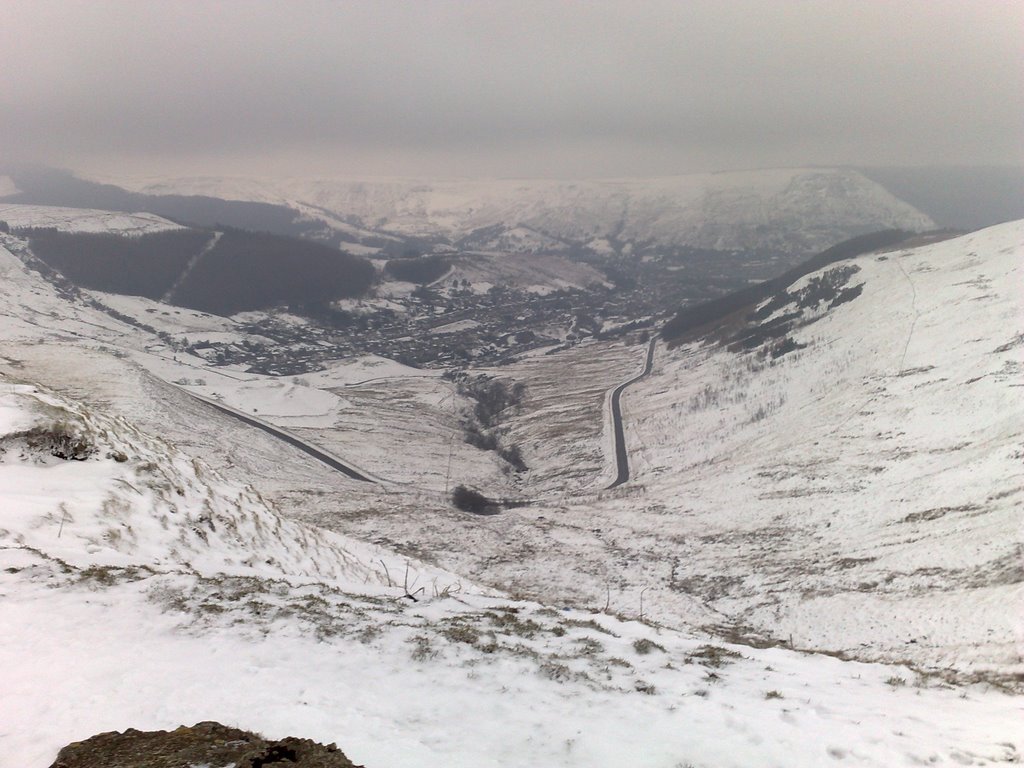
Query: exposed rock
x,y
59,440
204,744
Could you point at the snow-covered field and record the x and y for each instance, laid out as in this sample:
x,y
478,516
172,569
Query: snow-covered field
x,y
563,426
539,274
844,497
84,220
139,587
124,499
458,681
816,561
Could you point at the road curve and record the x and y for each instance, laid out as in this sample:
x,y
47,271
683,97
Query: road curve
x,y
621,456
312,450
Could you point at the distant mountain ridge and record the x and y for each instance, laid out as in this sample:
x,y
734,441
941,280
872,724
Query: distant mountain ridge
x,y
795,210
52,187
802,210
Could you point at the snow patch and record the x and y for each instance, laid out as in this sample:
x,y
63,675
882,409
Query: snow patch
x,y
84,220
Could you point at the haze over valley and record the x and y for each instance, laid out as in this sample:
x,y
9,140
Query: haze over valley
x,y
352,413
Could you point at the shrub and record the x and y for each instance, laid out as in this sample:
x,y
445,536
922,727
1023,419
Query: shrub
x,y
643,646
422,270
469,500
485,441
60,440
712,656
492,396
514,457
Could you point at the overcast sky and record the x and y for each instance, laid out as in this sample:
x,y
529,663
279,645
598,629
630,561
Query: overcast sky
x,y
488,88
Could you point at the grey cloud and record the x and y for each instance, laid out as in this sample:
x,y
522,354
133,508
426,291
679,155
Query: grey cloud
x,y
526,88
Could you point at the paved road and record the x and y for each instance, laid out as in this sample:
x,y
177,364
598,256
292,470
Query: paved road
x,y
316,453
621,455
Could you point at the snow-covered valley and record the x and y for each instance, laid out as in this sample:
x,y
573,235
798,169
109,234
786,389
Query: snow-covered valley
x,y
817,558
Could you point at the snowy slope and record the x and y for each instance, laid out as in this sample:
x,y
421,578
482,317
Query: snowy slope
x,y
456,682
366,409
538,274
801,210
729,451
140,589
127,500
862,493
859,495
844,497
143,590
84,220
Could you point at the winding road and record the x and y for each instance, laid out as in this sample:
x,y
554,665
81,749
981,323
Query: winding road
x,y
621,454
321,456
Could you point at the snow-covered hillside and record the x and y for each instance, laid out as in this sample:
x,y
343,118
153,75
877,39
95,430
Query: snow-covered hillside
x,y
365,408
863,491
138,588
93,491
84,220
801,211
816,560
858,494
537,274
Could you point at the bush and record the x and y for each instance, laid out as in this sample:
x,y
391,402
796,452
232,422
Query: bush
x,y
514,457
60,440
492,397
643,646
422,270
485,441
472,501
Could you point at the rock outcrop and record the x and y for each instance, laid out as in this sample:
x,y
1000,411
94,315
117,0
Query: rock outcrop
x,y
203,744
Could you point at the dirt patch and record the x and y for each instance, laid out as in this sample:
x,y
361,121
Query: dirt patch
x,y
59,440
935,514
204,743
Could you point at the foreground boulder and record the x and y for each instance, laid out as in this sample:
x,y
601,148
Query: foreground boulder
x,y
205,743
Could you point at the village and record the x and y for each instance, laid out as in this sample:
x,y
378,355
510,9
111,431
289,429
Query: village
x,y
453,326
